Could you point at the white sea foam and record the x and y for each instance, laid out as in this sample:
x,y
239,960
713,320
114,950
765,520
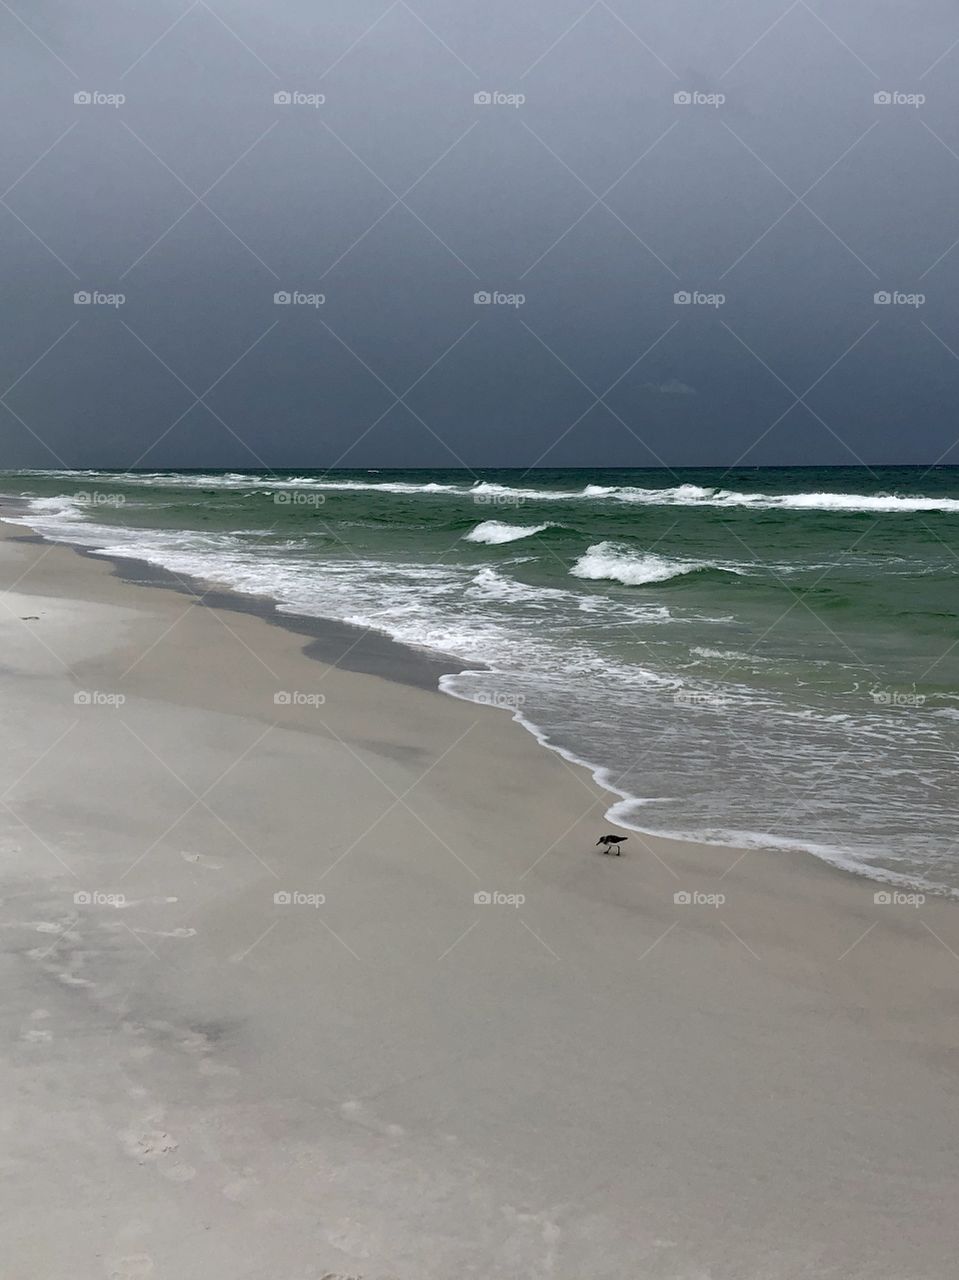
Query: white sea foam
x,y
669,495
485,489
725,655
848,502
686,495
496,532
488,584
612,562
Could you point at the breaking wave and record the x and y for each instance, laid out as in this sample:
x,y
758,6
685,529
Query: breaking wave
x,y
612,562
496,532
481,491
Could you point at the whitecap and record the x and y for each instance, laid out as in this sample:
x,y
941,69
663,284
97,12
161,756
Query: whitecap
x,y
495,532
610,561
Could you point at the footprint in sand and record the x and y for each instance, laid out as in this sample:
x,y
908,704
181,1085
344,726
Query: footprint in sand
x,y
152,1145
36,1035
149,1145
193,1041
71,980
201,860
354,1110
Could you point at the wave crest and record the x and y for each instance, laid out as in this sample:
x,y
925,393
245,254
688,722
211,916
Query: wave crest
x,y
495,532
612,562
483,491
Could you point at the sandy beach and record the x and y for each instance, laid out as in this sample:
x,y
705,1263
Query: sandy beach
x,y
258,1025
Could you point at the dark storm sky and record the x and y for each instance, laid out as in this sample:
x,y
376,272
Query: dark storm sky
x,y
798,198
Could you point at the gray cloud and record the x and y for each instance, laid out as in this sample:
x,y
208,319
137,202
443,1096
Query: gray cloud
x,y
773,181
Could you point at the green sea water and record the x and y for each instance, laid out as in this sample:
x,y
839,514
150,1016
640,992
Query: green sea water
x,y
756,657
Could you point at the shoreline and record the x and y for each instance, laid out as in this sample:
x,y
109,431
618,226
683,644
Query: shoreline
x,y
374,652
614,1076
349,647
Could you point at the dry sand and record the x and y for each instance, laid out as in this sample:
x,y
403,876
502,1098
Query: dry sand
x,y
399,1082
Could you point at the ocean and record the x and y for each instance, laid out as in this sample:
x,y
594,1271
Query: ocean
x,y
762,657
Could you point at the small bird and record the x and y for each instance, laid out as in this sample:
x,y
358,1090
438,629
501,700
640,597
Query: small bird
x,y
610,843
